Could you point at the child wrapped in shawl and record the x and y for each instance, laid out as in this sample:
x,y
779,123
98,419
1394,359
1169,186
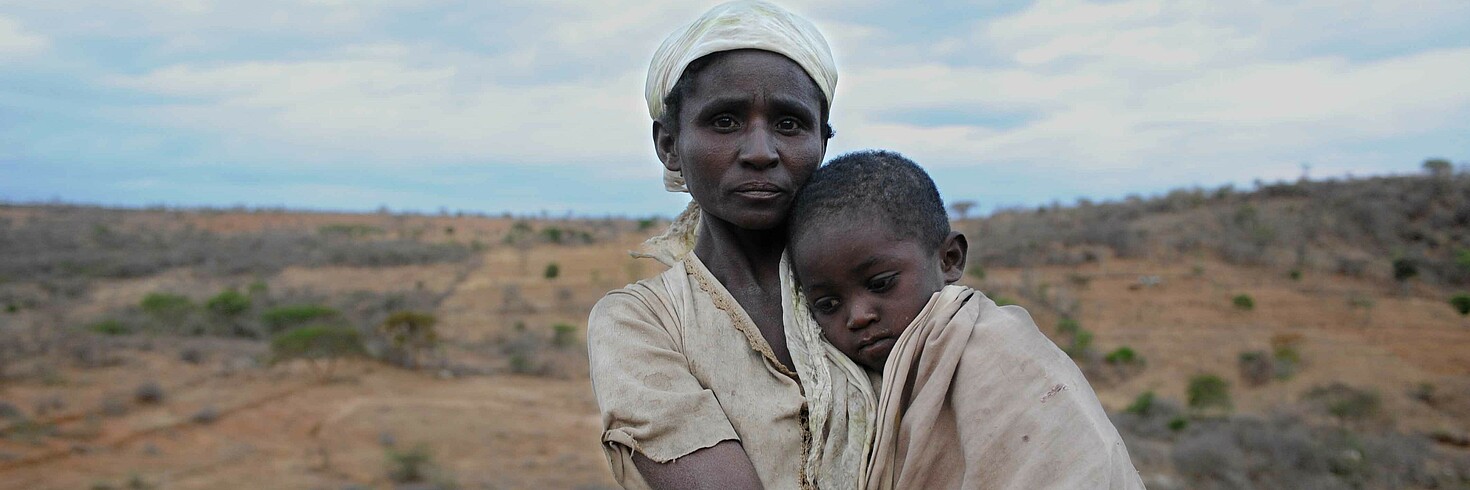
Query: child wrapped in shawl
x,y
972,394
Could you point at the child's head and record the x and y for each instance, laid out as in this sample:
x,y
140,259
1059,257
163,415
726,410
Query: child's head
x,y
870,243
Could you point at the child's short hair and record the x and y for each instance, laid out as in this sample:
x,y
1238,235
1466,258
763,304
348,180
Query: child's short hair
x,y
877,183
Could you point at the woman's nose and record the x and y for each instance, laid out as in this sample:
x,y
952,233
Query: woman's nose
x,y
758,148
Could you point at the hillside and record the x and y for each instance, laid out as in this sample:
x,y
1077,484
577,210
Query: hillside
x,y
137,346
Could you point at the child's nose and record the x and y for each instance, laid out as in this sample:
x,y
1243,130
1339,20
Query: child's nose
x,y
862,316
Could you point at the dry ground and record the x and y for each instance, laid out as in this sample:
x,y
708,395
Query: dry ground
x,y
276,427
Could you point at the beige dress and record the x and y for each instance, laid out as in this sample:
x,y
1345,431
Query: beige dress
x,y
678,366
974,396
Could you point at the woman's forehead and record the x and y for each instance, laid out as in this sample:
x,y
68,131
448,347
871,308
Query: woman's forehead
x,y
749,71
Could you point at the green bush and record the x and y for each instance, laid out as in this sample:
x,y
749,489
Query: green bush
x,y
1256,368
283,317
1208,391
1295,274
1081,344
1179,423
1142,404
976,271
320,345
410,466
110,327
1461,303
552,234
409,335
563,335
228,303
1067,326
1002,300
1345,402
645,224
166,306
552,270
1123,355
1244,302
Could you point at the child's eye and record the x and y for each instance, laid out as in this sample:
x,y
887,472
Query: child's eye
x,y
788,125
825,306
883,282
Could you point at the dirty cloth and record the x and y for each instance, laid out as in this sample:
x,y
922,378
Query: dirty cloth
x,y
974,396
728,27
724,381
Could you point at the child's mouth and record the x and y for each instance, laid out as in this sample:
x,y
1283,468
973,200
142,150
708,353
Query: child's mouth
x,y
877,348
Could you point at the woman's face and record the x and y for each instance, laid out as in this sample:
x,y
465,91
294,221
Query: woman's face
x,y
749,136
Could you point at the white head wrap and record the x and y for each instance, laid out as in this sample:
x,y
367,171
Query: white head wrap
x,y
731,26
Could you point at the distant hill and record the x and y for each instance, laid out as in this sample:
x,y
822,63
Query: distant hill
x,y
1413,227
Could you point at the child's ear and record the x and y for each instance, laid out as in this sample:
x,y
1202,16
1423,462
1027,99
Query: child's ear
x,y
664,143
952,255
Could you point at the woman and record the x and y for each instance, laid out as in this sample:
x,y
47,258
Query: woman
x,y
698,381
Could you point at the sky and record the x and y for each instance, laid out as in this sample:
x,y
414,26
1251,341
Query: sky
x,y
531,107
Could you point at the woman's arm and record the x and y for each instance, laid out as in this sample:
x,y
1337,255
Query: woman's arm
x,y
721,466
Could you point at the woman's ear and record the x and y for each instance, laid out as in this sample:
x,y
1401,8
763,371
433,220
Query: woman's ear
x,y
664,144
952,255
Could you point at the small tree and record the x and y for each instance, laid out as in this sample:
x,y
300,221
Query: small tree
x,y
229,303
552,270
1437,167
320,345
1244,302
410,334
962,208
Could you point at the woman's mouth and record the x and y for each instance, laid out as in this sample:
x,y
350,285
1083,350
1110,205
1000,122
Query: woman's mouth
x,y
759,190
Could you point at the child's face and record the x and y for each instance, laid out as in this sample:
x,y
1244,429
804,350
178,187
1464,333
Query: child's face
x,y
864,287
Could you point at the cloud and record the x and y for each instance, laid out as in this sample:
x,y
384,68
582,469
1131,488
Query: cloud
x,y
16,42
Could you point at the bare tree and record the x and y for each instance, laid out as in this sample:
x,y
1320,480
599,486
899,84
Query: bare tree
x,y
962,208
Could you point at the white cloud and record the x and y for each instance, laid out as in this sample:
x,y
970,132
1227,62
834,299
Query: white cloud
x,y
15,41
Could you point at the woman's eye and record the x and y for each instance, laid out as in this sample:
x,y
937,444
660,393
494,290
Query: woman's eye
x,y
724,122
788,125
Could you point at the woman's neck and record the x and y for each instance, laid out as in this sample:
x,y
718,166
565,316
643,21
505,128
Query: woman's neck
x,y
740,258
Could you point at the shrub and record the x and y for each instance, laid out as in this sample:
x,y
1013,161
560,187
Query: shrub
x,y
110,327
1243,302
1123,355
1295,274
320,345
148,393
1081,344
1461,303
1404,269
409,334
1345,402
563,335
1256,368
228,303
552,270
645,224
283,317
1179,423
552,234
1142,404
1284,347
976,271
1002,300
1066,325
410,466
1208,391
165,307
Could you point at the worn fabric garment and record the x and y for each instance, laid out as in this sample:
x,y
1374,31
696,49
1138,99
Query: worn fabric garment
x,y
835,393
678,366
974,396
732,26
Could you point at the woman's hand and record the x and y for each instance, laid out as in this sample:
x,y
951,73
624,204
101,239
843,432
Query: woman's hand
x,y
721,466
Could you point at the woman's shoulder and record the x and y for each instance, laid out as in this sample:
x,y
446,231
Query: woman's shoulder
x,y
647,300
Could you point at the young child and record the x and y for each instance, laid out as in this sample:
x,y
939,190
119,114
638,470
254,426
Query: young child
x,y
972,394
